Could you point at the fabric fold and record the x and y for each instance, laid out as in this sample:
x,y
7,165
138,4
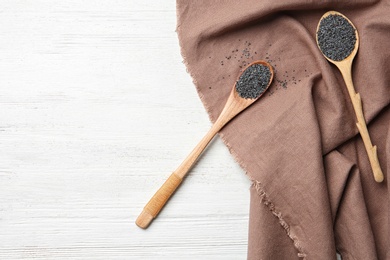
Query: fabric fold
x,y
299,142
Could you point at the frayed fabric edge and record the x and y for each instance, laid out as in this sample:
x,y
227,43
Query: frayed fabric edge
x,y
265,200
188,69
256,184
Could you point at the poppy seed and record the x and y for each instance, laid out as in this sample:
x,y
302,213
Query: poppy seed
x,y
336,37
253,81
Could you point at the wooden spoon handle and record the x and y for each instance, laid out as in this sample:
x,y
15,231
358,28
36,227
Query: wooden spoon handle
x,y
361,125
159,199
371,150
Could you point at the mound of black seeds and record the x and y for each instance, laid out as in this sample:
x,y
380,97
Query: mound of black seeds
x,y
253,81
336,37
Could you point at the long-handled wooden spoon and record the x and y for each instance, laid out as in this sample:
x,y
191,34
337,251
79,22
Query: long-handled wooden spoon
x,y
338,41
243,94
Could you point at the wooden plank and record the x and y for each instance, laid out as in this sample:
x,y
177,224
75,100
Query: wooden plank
x,y
81,150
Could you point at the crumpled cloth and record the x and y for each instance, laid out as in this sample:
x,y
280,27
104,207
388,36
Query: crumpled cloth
x,y
313,191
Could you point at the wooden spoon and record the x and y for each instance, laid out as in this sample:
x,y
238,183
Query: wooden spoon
x,y
345,67
234,105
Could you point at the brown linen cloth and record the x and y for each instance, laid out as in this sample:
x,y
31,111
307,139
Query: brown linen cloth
x,y
313,192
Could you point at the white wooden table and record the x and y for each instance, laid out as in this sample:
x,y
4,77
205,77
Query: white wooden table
x,y
96,110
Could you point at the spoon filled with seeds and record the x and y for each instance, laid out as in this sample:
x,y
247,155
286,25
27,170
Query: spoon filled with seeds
x,y
338,40
250,85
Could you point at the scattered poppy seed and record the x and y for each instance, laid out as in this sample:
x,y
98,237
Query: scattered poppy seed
x,y
336,37
253,81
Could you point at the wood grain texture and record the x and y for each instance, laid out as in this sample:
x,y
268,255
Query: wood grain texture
x,y
88,131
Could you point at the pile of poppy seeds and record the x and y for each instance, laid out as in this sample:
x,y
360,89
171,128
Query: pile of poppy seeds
x,y
336,37
253,81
